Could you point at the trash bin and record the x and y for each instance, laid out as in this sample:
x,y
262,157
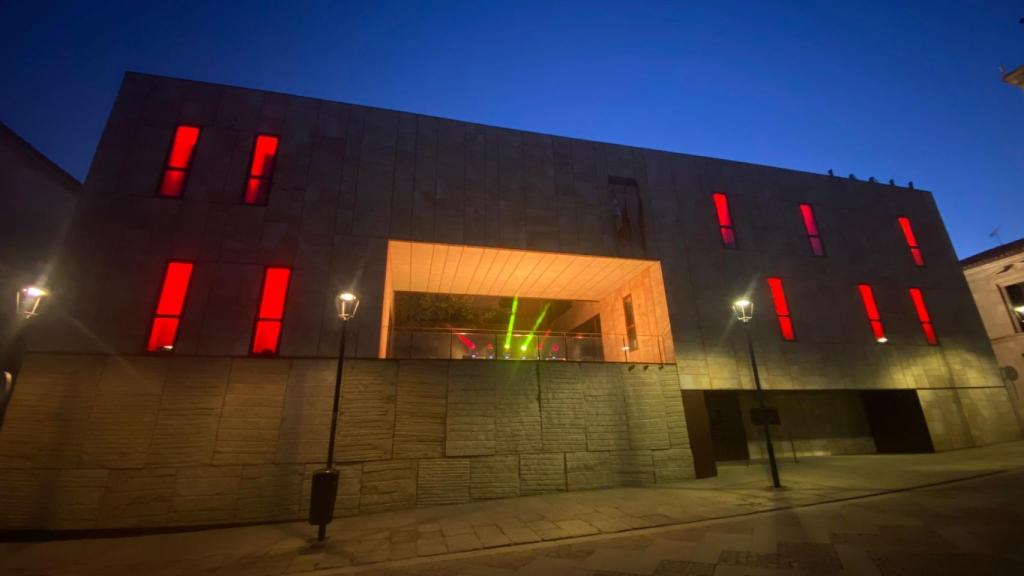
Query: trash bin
x,y
323,496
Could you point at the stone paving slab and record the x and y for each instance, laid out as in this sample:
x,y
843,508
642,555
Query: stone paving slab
x,y
747,546
622,530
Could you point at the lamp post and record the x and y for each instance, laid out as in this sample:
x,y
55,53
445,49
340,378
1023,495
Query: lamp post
x,y
30,300
744,310
29,303
325,481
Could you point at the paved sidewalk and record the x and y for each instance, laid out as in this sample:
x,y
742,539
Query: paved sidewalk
x,y
535,527
969,527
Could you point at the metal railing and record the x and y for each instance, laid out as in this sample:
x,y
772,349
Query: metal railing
x,y
521,345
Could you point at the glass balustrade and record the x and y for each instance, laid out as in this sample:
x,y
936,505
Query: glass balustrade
x,y
459,344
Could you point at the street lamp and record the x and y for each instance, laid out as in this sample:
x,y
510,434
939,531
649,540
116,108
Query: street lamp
x,y
325,481
744,310
29,300
28,304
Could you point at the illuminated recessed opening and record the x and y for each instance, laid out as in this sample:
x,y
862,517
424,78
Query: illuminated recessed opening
x,y
725,226
261,169
781,309
179,162
811,227
267,333
911,239
917,297
867,296
169,307
469,302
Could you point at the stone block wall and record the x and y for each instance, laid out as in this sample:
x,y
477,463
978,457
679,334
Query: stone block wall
x,y
965,417
95,441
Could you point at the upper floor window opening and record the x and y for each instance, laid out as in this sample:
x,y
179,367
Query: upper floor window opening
x,y
179,162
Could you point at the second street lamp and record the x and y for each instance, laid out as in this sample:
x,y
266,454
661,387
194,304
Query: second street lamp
x,y
325,482
744,310
29,302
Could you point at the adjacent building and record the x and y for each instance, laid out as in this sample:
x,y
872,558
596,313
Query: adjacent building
x,y
996,279
37,199
538,313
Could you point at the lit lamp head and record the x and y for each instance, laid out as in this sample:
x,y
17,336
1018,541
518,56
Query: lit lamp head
x,y
347,303
744,309
30,301
1019,310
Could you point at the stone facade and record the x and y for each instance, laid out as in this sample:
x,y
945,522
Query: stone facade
x,y
37,199
137,441
210,435
988,274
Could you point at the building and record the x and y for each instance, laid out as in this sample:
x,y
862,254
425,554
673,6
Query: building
x,y
538,313
996,279
32,190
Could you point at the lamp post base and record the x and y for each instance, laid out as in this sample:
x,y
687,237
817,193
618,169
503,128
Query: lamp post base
x,y
322,499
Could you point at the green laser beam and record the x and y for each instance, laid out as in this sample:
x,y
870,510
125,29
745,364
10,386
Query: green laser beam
x,y
511,323
533,330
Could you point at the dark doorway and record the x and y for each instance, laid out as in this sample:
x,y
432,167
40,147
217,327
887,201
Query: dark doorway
x,y
728,436
897,422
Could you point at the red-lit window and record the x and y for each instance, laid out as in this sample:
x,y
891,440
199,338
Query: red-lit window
x,y
908,234
867,295
267,333
169,306
922,315
811,225
725,226
261,170
781,309
179,161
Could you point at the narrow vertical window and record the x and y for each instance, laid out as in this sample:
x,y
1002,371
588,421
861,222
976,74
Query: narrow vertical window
x,y
923,317
169,306
725,227
1015,298
267,333
908,234
179,162
627,307
811,226
867,295
261,170
781,309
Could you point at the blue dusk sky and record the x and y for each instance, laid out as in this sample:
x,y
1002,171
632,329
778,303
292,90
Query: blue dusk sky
x,y
904,90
